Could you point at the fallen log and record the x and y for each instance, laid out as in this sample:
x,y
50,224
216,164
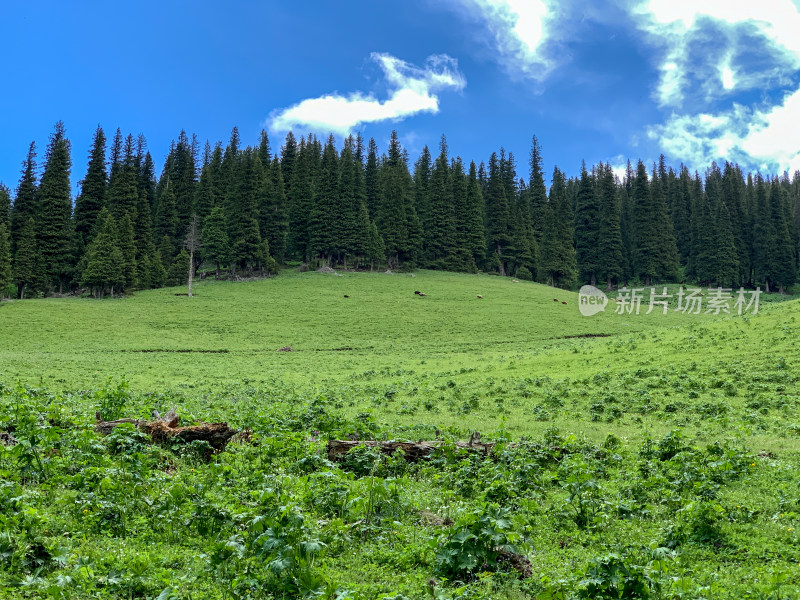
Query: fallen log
x,y
164,429
412,451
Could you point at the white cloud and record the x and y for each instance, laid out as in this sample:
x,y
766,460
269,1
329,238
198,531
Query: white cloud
x,y
766,138
732,35
520,29
412,90
675,25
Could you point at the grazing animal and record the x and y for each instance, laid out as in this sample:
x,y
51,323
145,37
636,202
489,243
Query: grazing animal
x,y
480,297
555,299
346,296
422,294
417,292
563,303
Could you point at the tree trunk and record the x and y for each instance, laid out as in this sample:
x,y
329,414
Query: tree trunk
x,y
163,429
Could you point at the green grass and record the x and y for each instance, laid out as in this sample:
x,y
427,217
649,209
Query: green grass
x,y
680,432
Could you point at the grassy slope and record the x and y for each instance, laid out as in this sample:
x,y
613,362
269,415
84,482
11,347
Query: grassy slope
x,y
458,363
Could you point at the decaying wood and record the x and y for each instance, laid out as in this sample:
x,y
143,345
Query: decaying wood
x,y
412,451
163,429
518,562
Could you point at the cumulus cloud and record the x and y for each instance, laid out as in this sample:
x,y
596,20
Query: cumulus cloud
x,y
412,90
708,44
765,138
519,30
711,52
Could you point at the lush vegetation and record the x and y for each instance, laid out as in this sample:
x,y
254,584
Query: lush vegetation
x,y
659,461
247,210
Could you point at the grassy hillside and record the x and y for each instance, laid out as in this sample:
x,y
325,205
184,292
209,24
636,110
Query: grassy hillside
x,y
652,455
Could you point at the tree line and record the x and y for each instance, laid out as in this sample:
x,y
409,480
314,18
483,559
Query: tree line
x,y
244,211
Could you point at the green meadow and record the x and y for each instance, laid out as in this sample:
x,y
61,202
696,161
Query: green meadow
x,y
638,456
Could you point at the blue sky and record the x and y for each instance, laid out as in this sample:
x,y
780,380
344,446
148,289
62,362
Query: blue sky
x,y
697,80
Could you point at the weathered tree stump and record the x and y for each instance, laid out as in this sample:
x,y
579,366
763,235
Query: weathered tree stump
x,y
164,429
412,451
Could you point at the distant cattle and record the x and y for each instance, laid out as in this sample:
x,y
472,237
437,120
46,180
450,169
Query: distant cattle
x,y
563,303
421,294
346,296
417,292
555,299
480,297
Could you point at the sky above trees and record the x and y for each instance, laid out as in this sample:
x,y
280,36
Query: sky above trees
x,y
699,81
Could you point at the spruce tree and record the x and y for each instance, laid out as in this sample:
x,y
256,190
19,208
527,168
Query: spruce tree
x,y
371,180
274,217
324,213
587,229
5,207
123,184
610,266
537,191
558,264
26,264
461,257
126,242
423,170
782,269
104,261
376,249
54,223
440,242
93,190
288,158
397,221
5,260
352,224
245,238
26,201
216,247
166,219
498,217
300,198
476,208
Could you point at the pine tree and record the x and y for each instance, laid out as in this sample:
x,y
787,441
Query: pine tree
x,y
461,257
782,268
587,228
245,238
498,216
26,267
93,190
288,158
423,170
126,242
476,208
376,249
371,180
300,197
558,264
54,224
26,201
274,217
352,224
166,219
324,214
5,208
537,191
610,265
5,260
104,260
216,247
123,184
440,242
655,256
397,221
178,273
